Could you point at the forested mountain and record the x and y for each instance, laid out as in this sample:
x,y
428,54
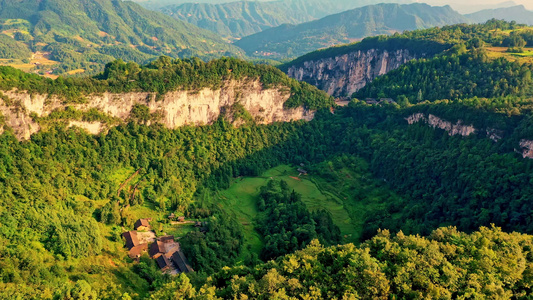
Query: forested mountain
x,y
88,34
517,13
295,40
312,8
343,70
243,18
62,216
237,19
424,194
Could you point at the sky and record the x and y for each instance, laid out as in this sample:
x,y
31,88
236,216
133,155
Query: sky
x,y
467,6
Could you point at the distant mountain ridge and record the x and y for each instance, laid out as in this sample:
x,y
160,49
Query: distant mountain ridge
x,y
294,40
243,18
237,19
517,13
82,33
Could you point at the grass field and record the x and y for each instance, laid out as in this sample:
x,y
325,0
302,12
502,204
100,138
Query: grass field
x,y
343,186
240,199
497,52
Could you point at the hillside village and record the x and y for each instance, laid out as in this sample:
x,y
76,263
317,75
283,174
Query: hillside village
x,y
165,250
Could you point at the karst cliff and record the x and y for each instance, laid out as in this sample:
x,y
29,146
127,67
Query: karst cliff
x,y
21,111
342,75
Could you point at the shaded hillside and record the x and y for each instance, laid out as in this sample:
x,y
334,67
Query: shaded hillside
x,y
89,33
517,13
237,19
295,40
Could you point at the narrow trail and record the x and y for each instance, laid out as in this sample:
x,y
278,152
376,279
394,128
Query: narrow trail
x,y
128,180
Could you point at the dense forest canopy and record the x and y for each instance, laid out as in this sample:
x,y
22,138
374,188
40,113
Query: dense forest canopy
x,y
452,77
447,199
448,264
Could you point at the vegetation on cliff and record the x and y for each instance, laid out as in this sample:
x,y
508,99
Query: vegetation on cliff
x,y
166,75
452,77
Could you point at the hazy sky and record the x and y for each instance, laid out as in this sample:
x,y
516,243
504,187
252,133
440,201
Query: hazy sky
x,y
475,5
463,6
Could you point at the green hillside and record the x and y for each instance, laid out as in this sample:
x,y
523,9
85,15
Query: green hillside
x,y
295,40
360,202
86,34
488,60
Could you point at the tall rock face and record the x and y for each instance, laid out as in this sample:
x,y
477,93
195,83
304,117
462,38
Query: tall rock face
x,y
23,112
342,75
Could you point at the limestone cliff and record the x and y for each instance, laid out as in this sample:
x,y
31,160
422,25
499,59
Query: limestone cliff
x,y
453,129
174,109
345,74
527,148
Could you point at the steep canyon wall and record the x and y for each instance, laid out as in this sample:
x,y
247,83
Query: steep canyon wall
x,y
175,108
342,75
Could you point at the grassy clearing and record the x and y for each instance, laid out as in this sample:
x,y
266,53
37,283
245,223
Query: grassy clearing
x,y
349,179
498,52
77,71
120,175
316,198
240,199
178,230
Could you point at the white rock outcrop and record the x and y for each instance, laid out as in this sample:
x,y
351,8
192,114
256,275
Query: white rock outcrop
x,y
345,74
453,129
176,108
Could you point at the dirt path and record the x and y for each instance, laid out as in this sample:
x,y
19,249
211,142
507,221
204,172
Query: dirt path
x,y
128,180
182,223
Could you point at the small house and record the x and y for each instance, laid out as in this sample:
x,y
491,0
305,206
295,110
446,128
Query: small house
x,y
131,239
171,216
157,248
371,101
181,262
197,224
387,101
137,251
142,225
302,171
167,239
181,219
163,262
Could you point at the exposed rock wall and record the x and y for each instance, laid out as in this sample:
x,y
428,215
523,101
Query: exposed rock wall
x,y
527,148
345,74
453,129
176,108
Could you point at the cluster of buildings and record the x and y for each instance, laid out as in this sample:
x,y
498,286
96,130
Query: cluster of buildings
x,y
372,101
165,250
